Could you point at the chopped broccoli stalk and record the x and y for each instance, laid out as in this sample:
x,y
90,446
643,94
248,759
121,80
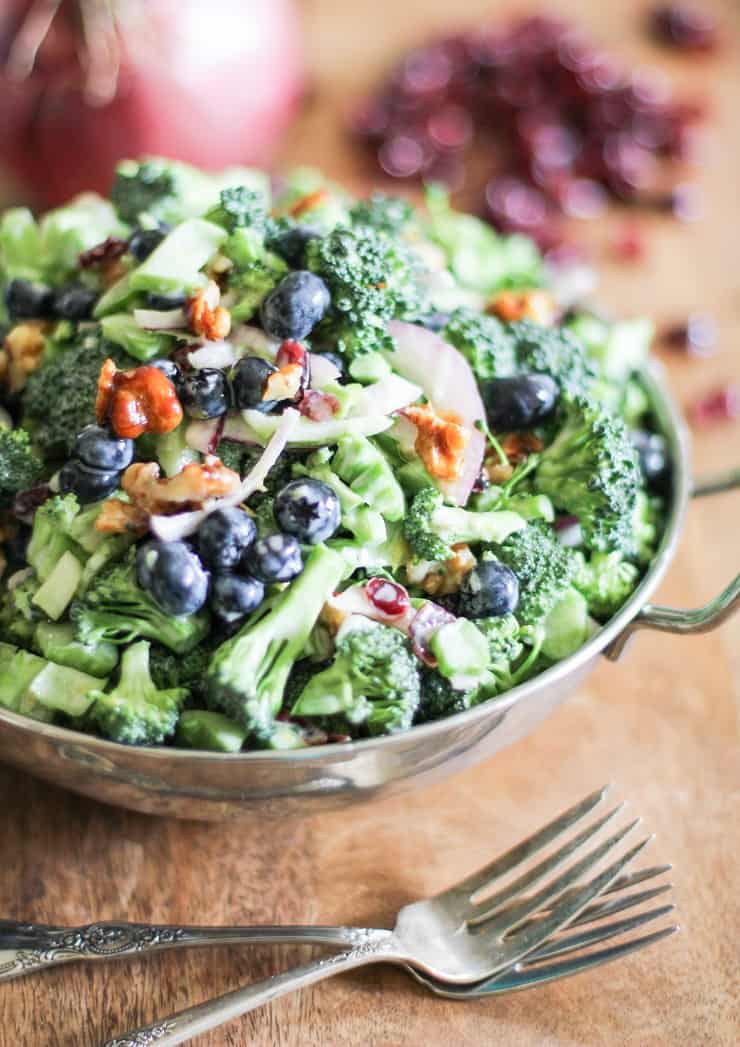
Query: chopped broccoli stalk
x,y
310,434
19,615
204,729
239,207
182,670
118,297
20,246
439,699
172,451
360,464
566,626
432,528
123,330
57,643
647,520
461,651
50,535
554,351
175,264
543,567
366,524
369,368
256,272
619,349
136,712
116,609
484,342
372,686
591,470
606,580
248,673
530,506
388,214
18,669
20,466
372,279
57,592
62,689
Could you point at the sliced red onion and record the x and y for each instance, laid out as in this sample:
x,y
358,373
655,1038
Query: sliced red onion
x,y
201,435
444,375
428,620
323,371
388,395
568,531
213,354
161,319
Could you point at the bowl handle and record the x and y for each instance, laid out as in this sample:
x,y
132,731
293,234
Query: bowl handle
x,y
694,620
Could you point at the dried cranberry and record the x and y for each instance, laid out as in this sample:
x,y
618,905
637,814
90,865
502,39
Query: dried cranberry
x,y
389,598
27,502
107,251
719,405
686,27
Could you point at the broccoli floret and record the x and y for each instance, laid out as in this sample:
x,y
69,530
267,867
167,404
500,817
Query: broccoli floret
x,y
256,270
59,397
647,522
19,615
182,670
544,569
136,711
432,528
359,463
235,456
50,538
139,187
371,687
20,466
606,580
591,470
239,207
389,214
439,699
484,342
553,351
115,608
248,673
504,645
372,279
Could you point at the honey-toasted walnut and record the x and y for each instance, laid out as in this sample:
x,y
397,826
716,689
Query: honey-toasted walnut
x,y
189,489
139,401
538,306
207,318
22,351
441,440
117,517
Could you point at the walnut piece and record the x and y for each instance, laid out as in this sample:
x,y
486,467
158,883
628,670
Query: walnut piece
x,y
117,517
21,354
139,401
441,440
189,489
538,306
447,577
207,318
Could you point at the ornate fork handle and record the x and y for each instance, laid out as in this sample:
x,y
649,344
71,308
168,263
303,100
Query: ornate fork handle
x,y
29,947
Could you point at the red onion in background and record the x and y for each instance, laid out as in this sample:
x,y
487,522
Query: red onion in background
x,y
213,84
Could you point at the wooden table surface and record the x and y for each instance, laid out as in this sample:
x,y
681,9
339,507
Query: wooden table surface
x,y
662,725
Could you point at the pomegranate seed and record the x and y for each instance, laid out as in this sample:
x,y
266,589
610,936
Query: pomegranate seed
x,y
390,599
719,405
687,28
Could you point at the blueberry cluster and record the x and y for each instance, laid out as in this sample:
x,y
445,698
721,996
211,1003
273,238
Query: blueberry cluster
x,y
27,300
94,470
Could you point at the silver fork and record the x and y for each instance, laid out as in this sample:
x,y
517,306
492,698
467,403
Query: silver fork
x,y
462,936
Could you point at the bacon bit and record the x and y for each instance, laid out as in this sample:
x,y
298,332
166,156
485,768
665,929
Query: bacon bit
x,y
308,202
538,306
441,440
207,318
190,489
110,250
319,407
23,348
117,517
447,577
139,401
518,446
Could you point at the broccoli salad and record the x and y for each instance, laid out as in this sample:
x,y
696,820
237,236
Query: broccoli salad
x,y
281,467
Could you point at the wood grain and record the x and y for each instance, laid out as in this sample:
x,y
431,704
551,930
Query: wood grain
x,y
663,724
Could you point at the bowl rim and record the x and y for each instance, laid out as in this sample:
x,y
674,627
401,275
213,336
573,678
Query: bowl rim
x,y
670,422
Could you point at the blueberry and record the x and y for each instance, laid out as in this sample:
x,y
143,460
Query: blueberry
x,y
224,538
205,393
175,577
276,558
170,369
653,455
291,242
296,305
435,321
519,403
146,557
248,381
143,242
489,590
26,299
235,596
165,302
308,509
90,485
74,302
99,449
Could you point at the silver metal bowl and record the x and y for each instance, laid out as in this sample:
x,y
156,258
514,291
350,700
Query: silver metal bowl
x,y
212,786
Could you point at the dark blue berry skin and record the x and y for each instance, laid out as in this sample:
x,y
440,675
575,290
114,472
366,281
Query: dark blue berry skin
x,y
205,393
489,590
74,302
98,448
291,243
234,596
165,302
653,455
276,558
143,242
308,509
296,305
224,537
519,403
248,382
175,577
90,485
27,300
146,556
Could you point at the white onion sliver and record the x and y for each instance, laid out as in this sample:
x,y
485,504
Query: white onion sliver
x,y
236,429
323,371
174,528
254,480
213,354
160,319
388,395
245,336
200,435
